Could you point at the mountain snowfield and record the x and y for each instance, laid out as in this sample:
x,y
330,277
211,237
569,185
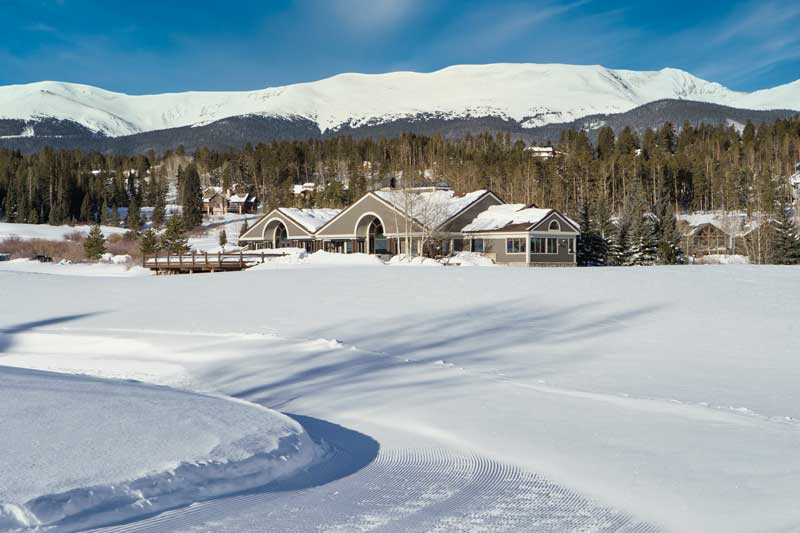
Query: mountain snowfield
x,y
531,94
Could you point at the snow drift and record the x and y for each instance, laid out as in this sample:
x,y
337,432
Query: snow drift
x,y
80,452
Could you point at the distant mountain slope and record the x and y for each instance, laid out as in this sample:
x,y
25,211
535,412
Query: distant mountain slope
x,y
235,132
531,95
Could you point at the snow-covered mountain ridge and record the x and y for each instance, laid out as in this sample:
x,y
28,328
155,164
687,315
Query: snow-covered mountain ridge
x,y
531,94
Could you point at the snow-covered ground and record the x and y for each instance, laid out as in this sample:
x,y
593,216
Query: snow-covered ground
x,y
105,269
464,398
47,232
80,451
208,238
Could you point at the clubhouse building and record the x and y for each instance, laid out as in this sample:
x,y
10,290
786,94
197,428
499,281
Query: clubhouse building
x,y
430,221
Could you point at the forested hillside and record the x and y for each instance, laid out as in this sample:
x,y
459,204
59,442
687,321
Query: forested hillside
x,y
695,168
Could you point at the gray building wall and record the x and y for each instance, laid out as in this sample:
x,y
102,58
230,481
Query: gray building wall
x,y
294,230
345,223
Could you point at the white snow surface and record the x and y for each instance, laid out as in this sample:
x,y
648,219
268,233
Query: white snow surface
x,y
311,218
432,208
668,394
114,267
118,449
500,216
47,232
534,94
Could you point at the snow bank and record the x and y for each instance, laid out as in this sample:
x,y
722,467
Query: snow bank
x,y
114,266
468,259
722,259
47,232
405,260
90,451
327,258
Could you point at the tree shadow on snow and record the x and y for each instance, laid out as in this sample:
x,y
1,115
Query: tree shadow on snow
x,y
7,334
509,339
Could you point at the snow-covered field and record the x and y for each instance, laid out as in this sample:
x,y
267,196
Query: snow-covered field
x,y
476,399
80,451
47,232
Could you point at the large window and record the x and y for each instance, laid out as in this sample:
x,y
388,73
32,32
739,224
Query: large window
x,y
542,245
515,246
477,245
378,240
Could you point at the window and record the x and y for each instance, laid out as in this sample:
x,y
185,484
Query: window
x,y
571,246
541,245
477,245
515,246
555,226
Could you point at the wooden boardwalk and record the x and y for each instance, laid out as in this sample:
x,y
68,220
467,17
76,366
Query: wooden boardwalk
x,y
206,262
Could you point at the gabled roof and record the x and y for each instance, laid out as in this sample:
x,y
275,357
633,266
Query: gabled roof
x,y
511,217
310,219
430,208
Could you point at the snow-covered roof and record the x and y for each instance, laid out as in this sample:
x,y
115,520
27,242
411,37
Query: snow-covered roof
x,y
431,208
731,223
242,198
502,216
310,219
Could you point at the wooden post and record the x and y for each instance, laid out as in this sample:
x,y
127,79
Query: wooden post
x,y
241,260
219,259
262,257
192,259
168,257
205,254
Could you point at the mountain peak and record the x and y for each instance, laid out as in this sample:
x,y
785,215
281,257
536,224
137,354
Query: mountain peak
x,y
530,93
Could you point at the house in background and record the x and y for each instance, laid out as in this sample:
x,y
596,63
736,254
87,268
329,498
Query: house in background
x,y
794,181
414,221
516,234
215,202
432,220
237,199
242,203
288,227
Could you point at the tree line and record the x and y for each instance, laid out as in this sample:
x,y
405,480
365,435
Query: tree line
x,y
624,176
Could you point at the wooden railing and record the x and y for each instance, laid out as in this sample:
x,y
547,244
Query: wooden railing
x,y
207,261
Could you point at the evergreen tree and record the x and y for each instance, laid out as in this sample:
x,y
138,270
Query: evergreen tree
x,y
104,213
56,217
174,239
223,239
149,244
95,244
621,251
591,246
191,197
133,220
669,251
644,241
159,210
86,209
786,243
244,228
114,219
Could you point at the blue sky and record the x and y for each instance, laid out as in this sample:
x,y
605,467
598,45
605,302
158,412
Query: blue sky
x,y
158,46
